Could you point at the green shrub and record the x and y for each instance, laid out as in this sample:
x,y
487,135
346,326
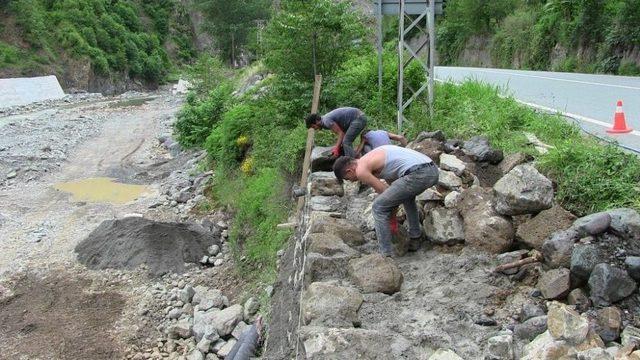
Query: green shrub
x,y
628,68
222,143
198,117
9,55
513,38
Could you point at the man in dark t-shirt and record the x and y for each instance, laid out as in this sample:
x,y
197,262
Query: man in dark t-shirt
x,y
346,122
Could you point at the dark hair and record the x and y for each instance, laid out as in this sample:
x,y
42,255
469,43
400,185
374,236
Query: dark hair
x,y
340,166
312,119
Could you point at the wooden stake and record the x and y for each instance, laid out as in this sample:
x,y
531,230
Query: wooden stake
x,y
310,135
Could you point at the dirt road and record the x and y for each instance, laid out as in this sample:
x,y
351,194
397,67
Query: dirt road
x,y
54,299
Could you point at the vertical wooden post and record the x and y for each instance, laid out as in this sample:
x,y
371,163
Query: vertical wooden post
x,y
310,135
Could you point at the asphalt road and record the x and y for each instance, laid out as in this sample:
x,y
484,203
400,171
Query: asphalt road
x,y
591,98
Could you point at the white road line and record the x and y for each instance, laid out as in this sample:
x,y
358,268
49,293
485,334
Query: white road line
x,y
555,79
556,111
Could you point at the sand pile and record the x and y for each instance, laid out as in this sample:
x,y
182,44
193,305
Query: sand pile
x,y
131,242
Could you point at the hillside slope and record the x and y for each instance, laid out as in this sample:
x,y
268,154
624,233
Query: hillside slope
x,y
594,36
95,45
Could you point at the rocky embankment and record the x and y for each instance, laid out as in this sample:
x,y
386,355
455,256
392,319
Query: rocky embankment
x,y
505,273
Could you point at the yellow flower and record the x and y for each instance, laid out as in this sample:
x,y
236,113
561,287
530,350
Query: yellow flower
x,y
247,166
242,141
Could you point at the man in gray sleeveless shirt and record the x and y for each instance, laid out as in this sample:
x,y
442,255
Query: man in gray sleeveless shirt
x,y
407,173
346,122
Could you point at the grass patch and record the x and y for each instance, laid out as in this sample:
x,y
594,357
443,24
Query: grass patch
x,y
591,176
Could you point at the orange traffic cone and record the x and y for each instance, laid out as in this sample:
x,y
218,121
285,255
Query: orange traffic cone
x,y
619,122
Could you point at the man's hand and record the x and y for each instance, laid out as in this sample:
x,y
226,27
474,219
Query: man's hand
x,y
336,151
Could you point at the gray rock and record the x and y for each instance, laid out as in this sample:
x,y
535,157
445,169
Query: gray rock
x,y
444,354
629,335
512,160
558,249
375,273
429,195
213,250
444,226
325,184
500,347
633,267
452,163
451,200
183,196
321,158
478,147
251,307
483,227
430,147
609,323
626,223
348,232
195,355
523,191
593,224
226,348
530,310
350,343
207,298
584,259
326,304
319,267
328,244
436,135
554,284
609,284
180,330
186,294
449,180
325,203
218,262
224,321
579,299
174,314
531,328
239,329
566,324
204,345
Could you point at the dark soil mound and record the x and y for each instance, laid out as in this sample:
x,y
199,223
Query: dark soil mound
x,y
131,242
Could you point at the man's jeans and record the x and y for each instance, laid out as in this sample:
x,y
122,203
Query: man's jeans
x,y
402,191
355,128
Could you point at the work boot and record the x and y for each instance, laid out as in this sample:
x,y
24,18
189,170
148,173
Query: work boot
x,y
416,243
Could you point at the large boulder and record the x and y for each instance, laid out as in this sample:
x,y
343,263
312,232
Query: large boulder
x,y
523,191
325,183
555,283
483,227
375,273
566,324
609,284
444,226
350,343
328,244
224,321
319,267
479,149
488,231
321,222
545,347
452,163
449,180
321,158
633,266
557,250
500,347
325,203
206,298
609,323
626,223
583,259
535,231
330,305
430,147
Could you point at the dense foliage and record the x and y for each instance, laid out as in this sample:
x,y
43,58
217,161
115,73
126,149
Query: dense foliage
x,y
563,35
125,36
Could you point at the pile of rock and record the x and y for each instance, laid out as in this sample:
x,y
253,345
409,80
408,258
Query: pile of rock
x,y
199,322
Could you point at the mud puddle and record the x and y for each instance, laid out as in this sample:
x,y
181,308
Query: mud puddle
x,y
103,190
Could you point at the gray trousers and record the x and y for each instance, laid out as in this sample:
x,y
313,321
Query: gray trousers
x,y
355,128
402,191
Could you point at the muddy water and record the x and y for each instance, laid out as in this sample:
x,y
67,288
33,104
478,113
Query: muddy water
x,y
103,190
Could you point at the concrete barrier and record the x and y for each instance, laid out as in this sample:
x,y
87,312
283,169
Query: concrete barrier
x,y
22,91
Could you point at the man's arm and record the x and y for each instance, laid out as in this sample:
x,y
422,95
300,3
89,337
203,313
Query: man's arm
x,y
336,129
401,139
368,178
363,141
